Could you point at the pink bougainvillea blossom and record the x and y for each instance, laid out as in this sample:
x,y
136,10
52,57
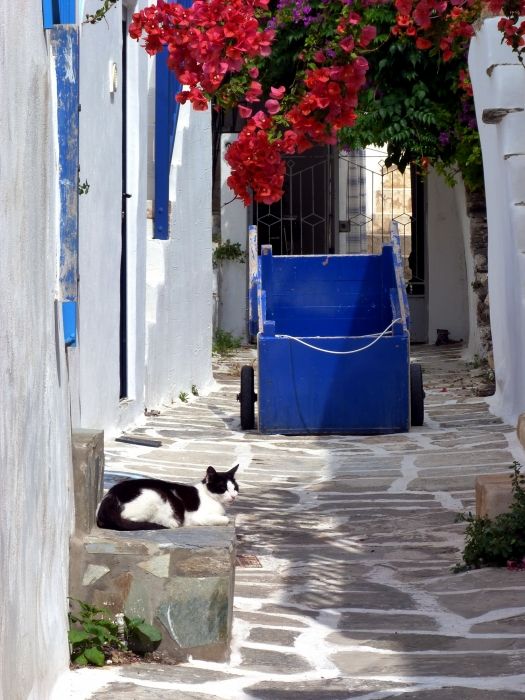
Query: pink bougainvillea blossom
x,y
218,49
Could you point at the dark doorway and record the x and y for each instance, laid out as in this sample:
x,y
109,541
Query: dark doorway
x,y
301,222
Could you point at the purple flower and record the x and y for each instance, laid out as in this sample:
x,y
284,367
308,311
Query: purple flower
x,y
444,138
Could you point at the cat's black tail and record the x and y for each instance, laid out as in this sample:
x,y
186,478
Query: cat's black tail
x,y
109,517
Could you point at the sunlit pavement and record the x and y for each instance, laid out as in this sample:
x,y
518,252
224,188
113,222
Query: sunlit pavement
x,y
344,587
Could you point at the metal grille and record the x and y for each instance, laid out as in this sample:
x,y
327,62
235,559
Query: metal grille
x,y
300,224
345,203
371,196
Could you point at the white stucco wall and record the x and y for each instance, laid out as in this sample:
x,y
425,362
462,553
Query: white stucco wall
x,y
232,276
474,346
499,83
447,277
98,349
169,283
35,503
179,272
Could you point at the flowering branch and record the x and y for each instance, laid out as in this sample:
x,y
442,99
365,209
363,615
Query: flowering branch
x,y
295,69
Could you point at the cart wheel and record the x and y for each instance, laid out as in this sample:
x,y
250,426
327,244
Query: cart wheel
x,y
247,397
417,395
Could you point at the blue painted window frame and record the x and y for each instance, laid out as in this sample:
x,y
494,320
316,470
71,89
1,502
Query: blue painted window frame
x,y
58,12
166,117
64,41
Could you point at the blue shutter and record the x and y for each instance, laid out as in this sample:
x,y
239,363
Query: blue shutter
x,y
66,10
64,43
58,12
166,116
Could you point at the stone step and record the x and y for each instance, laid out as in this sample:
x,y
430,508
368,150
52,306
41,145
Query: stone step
x,y
181,581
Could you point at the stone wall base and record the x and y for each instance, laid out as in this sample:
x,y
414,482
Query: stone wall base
x,y
181,581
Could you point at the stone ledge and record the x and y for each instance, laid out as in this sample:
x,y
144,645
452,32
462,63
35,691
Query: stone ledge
x,y
493,494
181,580
88,475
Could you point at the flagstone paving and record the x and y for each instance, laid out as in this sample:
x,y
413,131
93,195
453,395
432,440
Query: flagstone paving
x,y
354,598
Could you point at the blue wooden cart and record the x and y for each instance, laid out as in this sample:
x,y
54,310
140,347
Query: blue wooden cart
x,y
333,345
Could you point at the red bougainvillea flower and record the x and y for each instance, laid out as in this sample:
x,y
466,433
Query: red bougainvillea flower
x,y
257,169
245,112
347,44
254,93
464,82
206,41
423,44
218,50
403,21
277,93
368,34
272,106
195,96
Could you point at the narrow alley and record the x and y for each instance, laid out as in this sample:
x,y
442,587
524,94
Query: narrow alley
x,y
344,589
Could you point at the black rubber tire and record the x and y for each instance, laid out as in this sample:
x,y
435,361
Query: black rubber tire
x,y
417,395
247,398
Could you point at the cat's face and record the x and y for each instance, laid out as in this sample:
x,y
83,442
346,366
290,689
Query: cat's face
x,y
222,485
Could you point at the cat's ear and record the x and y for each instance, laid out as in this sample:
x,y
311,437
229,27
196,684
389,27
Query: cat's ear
x,y
233,470
210,473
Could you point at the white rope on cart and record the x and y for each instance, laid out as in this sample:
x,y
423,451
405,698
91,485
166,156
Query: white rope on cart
x,y
342,352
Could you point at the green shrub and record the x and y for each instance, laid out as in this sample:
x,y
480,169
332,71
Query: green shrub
x,y
501,541
228,251
94,635
224,342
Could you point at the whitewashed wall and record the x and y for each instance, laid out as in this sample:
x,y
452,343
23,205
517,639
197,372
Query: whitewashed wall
x,y
499,84
473,342
98,387
35,503
447,274
169,286
179,272
232,276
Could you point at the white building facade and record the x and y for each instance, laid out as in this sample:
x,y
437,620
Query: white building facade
x,y
498,80
100,319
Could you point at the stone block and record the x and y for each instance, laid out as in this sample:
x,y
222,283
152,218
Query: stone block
x,y
181,581
493,494
88,476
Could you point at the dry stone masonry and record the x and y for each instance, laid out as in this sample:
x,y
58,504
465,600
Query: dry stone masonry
x,y
180,580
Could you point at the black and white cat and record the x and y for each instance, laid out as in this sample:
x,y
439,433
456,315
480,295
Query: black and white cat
x,y
153,504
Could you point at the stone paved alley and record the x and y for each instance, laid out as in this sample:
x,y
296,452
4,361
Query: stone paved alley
x,y
356,537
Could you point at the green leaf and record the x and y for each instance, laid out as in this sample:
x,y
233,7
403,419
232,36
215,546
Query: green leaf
x,y
152,633
100,631
78,636
133,621
80,660
143,638
95,656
